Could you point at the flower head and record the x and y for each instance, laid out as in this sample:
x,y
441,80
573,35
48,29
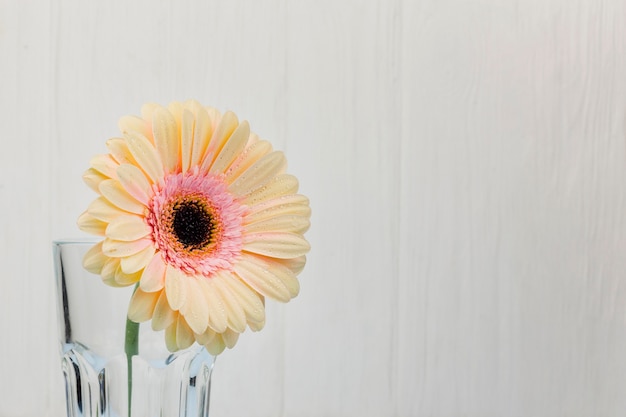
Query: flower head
x,y
201,213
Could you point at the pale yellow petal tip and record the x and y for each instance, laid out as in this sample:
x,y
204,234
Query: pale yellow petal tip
x,y
277,245
216,342
104,164
216,347
256,326
162,316
93,178
124,279
89,224
192,104
220,341
94,259
133,124
141,306
295,264
170,337
175,108
148,109
229,117
178,335
230,338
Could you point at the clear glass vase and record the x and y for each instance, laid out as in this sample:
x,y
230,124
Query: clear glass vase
x,y
92,325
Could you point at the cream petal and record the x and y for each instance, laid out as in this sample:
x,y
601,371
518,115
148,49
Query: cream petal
x,y
222,132
124,279
147,112
249,299
88,223
295,264
163,316
206,337
276,244
175,287
216,346
246,159
104,164
103,210
135,124
176,110
119,150
170,336
94,259
146,156
108,272
166,138
109,268
236,316
93,178
188,123
218,319
111,282
236,143
128,227
113,191
252,139
201,136
120,249
153,277
286,204
281,271
257,326
278,186
142,305
289,223
135,182
184,334
230,338
265,278
215,117
259,173
193,106
137,262
195,310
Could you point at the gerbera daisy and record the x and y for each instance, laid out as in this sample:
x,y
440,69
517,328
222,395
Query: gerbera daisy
x,y
200,213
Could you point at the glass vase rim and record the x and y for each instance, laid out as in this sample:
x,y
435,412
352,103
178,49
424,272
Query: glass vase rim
x,y
75,241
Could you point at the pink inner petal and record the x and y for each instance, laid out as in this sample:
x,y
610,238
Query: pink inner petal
x,y
210,192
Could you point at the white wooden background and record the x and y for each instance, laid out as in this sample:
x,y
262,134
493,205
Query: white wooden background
x,y
466,164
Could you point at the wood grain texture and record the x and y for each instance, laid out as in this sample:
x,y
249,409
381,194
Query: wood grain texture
x,y
466,165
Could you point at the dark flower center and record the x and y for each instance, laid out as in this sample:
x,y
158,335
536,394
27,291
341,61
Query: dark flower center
x,y
192,224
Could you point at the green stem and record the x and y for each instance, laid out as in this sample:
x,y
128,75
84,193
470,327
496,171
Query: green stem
x,y
131,348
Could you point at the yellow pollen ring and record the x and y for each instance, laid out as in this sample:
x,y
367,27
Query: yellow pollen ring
x,y
191,224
